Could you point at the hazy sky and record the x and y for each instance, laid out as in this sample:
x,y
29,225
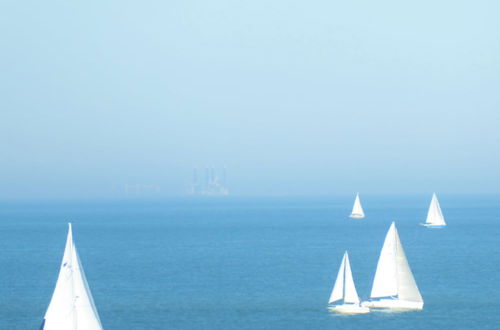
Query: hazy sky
x,y
295,97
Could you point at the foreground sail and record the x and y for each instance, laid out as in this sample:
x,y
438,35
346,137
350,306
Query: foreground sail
x,y
345,290
357,210
394,285
72,306
435,217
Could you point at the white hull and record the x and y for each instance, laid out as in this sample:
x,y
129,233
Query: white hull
x,y
428,225
393,304
349,309
356,216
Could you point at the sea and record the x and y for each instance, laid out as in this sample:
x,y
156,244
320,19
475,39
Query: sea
x,y
250,262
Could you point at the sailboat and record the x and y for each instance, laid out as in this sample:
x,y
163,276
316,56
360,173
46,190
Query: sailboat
x,y
394,286
345,290
71,306
357,210
435,217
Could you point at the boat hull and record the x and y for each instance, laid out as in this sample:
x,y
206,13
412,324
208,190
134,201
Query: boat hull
x,y
356,216
393,304
349,309
428,225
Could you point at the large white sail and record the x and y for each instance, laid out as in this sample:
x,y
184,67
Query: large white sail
x,y
344,287
350,293
393,277
434,215
338,288
357,209
71,306
407,287
385,283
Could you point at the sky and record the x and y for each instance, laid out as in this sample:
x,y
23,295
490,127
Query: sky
x,y
294,97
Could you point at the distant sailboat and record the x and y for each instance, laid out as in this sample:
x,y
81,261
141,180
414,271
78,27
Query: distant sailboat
x,y
345,290
435,217
71,306
357,210
394,286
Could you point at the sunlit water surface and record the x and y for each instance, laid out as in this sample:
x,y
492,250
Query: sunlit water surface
x,y
250,263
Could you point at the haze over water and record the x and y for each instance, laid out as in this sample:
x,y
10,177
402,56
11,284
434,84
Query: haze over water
x,y
295,97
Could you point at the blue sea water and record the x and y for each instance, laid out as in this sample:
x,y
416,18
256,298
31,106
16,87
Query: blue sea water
x,y
250,263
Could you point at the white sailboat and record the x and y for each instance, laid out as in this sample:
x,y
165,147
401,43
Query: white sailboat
x,y
345,290
435,217
71,306
357,210
394,286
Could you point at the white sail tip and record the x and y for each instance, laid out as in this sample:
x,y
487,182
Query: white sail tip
x,y
70,230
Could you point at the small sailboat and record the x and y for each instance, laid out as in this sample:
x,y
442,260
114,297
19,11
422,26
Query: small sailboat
x,y
71,306
357,209
435,217
345,290
394,286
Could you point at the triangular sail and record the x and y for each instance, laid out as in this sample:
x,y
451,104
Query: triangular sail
x,y
357,209
434,215
338,288
71,306
393,277
407,287
350,293
344,284
385,283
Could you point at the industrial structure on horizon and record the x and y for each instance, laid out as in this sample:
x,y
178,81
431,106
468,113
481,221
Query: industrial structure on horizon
x,y
212,184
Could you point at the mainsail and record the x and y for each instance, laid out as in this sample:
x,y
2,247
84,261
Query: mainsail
x,y
357,210
71,306
434,215
344,284
393,277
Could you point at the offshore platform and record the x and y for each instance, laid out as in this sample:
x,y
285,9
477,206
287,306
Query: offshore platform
x,y
212,185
